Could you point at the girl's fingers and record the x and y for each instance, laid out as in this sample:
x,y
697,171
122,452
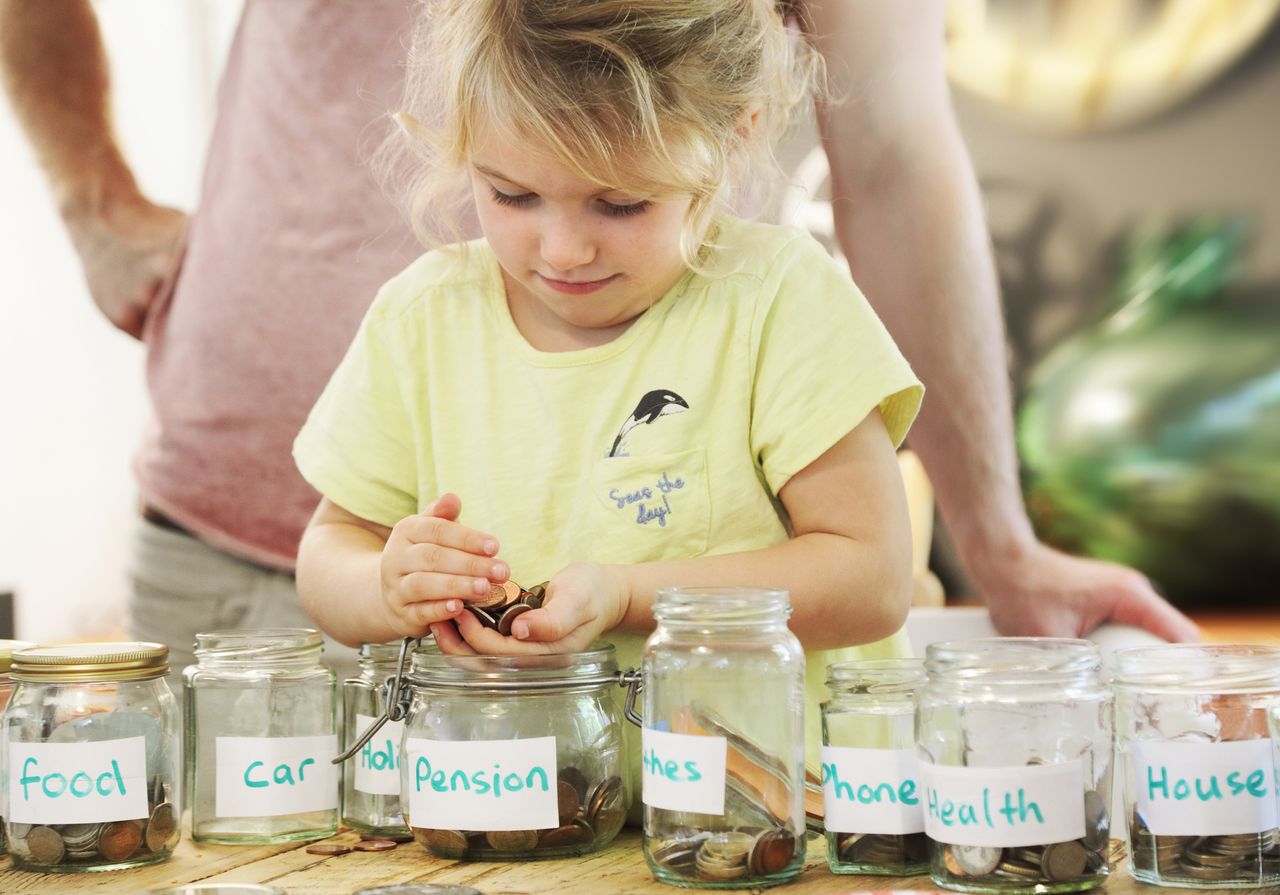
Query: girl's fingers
x,y
425,613
436,558
450,642
488,642
424,529
543,625
434,586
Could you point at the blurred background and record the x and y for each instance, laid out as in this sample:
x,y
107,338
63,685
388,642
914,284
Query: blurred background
x,y
1129,153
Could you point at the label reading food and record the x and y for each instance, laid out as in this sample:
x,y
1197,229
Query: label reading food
x,y
682,772
271,776
1205,789
482,784
78,783
1006,807
871,790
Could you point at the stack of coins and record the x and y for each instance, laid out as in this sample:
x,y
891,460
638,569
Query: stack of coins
x,y
1200,860
880,853
1031,867
505,603
588,813
113,843
744,855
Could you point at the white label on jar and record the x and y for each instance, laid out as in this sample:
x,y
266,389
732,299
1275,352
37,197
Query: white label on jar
x,y
482,784
272,776
378,761
682,772
1205,789
78,783
1006,807
871,790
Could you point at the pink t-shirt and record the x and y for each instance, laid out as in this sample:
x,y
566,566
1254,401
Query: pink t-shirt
x,y
290,242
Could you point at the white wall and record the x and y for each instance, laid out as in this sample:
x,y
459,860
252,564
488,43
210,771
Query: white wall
x,y
72,402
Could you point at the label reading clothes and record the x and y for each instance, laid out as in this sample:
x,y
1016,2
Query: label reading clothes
x,y
680,772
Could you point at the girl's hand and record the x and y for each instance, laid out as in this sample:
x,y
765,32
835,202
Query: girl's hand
x,y
431,565
582,602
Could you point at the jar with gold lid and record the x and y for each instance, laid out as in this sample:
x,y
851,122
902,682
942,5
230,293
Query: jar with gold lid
x,y
261,736
6,689
91,759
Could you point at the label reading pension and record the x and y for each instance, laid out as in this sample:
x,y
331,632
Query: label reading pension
x,y
1005,807
271,776
871,790
378,761
1205,789
680,772
482,784
78,783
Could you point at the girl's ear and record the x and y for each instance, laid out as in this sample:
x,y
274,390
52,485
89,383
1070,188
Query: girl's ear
x,y
748,118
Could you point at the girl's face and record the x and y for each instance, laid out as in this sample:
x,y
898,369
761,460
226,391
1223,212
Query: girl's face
x,y
579,263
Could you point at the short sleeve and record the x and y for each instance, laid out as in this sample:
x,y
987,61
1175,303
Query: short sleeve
x,y
824,361
359,444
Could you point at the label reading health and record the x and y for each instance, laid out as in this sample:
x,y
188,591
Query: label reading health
x,y
1004,807
682,772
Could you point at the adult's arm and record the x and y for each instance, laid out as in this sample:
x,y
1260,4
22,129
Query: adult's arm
x,y
54,69
908,216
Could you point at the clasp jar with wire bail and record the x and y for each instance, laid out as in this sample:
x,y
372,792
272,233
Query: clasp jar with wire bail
x,y
91,762
511,757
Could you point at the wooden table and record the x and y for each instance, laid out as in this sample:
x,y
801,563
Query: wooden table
x,y
619,868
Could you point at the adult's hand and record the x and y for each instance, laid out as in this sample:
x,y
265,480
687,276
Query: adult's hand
x,y
1039,591
129,250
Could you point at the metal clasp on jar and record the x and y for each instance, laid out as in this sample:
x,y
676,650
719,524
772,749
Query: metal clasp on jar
x,y
396,697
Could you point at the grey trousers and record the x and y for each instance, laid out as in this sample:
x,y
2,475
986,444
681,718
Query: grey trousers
x,y
181,587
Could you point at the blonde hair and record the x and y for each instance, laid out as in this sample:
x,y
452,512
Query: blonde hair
x,y
654,97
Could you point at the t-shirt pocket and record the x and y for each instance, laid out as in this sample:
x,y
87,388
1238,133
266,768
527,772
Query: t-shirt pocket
x,y
650,507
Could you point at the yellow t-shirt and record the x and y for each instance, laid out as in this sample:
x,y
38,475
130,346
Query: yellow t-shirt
x,y
671,441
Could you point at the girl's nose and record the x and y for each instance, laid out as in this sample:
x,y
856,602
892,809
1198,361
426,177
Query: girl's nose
x,y
567,245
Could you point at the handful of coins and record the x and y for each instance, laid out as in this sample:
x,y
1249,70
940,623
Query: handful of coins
x,y
1032,867
115,842
743,854
1197,860
506,602
883,854
590,815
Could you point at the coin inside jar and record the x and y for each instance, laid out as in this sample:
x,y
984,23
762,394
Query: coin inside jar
x,y
447,841
975,860
1064,860
512,840
117,841
161,827
771,852
45,845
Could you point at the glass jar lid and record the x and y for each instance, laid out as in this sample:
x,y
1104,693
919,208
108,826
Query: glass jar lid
x,y
593,667
259,647
7,648
1207,668
721,605
128,661
1013,661
378,653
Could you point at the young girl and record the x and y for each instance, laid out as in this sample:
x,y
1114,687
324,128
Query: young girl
x,y
620,387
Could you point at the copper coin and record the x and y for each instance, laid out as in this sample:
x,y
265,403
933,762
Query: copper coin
x,y
161,827
511,591
772,851
374,845
566,801
447,841
606,795
496,597
512,840
328,848
576,833
534,596
509,615
119,840
574,778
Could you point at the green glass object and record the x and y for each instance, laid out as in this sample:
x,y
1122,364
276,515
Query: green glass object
x,y
1153,437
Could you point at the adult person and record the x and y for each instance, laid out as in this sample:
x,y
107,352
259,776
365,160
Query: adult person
x,y
291,239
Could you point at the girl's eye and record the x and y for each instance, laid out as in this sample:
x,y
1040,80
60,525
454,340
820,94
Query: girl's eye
x,y
620,211
515,201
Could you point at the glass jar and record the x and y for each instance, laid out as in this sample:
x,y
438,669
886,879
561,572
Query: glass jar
x,y
6,688
371,779
512,757
1014,737
261,737
91,761
1199,776
870,782
723,739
